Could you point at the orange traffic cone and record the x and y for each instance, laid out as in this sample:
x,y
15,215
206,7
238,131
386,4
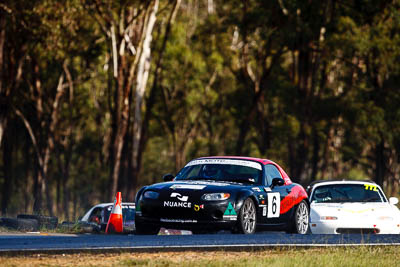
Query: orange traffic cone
x,y
115,224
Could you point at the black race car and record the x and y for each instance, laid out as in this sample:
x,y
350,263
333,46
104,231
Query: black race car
x,y
240,194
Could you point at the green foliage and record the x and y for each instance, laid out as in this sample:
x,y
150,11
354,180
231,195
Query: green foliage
x,y
312,86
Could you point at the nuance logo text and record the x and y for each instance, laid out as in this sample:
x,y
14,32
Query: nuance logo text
x,y
175,204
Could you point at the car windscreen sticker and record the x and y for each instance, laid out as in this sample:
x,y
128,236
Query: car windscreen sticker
x,y
230,213
245,163
209,183
370,187
274,205
188,186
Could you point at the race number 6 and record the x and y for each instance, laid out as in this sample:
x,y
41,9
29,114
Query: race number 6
x,y
274,205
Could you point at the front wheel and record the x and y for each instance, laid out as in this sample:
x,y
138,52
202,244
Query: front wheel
x,y
301,219
247,217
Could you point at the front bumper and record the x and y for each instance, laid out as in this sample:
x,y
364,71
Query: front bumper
x,y
201,216
186,224
347,226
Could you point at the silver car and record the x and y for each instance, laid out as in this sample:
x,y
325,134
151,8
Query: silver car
x,y
98,216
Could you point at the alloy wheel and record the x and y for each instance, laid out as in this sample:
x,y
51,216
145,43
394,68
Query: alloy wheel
x,y
302,218
249,216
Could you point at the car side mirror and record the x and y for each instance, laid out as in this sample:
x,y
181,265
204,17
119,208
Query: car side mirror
x,y
393,200
277,182
168,177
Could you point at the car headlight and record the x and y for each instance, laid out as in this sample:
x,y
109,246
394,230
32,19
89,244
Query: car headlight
x,y
328,218
216,196
151,194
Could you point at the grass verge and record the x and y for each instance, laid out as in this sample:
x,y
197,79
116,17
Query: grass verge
x,y
339,256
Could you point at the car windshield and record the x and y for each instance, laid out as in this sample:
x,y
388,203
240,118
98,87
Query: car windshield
x,y
339,193
128,213
240,171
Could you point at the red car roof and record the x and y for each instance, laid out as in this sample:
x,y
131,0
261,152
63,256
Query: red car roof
x,y
262,161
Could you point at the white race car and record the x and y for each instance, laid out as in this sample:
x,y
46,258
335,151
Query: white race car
x,y
339,207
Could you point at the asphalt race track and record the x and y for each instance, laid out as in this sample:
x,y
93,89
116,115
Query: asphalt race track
x,y
64,243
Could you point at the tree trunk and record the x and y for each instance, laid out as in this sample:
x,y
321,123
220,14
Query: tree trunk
x,y
151,100
141,82
380,168
315,156
3,93
43,149
8,177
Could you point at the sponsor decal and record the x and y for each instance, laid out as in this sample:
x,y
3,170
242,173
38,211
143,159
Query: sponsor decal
x,y
261,197
296,195
198,207
357,211
179,196
274,205
230,213
267,189
177,221
173,204
256,189
245,163
264,209
188,186
209,183
370,187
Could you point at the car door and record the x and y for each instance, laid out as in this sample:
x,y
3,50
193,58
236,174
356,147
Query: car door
x,y
274,196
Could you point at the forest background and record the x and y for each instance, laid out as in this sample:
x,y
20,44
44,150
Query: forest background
x,y
99,96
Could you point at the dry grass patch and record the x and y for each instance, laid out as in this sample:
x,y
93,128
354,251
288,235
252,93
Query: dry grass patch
x,y
359,256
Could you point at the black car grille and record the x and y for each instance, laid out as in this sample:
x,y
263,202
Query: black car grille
x,y
171,213
357,231
206,212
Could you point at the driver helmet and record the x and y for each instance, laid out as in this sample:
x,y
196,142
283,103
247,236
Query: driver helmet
x,y
323,195
210,171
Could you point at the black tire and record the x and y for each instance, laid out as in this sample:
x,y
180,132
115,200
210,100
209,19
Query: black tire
x,y
48,222
247,219
20,224
142,229
301,218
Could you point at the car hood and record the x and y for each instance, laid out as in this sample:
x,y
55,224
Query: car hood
x,y
349,210
192,185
